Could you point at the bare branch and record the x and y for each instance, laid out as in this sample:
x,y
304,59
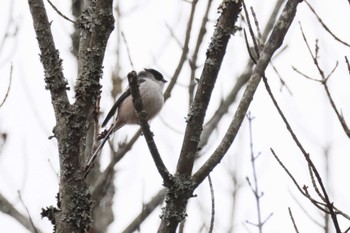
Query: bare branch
x,y
212,219
147,209
193,60
328,204
274,42
128,50
54,78
59,12
8,33
7,208
211,125
183,57
142,115
256,22
8,87
26,208
323,81
309,215
224,29
255,185
251,32
347,62
103,179
305,75
73,121
293,221
339,115
302,190
325,26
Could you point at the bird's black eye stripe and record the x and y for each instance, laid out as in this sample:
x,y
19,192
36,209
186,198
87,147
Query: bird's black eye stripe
x,y
156,74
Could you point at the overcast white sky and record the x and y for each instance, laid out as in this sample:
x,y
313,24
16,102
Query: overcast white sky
x,y
29,162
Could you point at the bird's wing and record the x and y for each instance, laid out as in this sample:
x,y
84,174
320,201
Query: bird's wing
x,y
117,104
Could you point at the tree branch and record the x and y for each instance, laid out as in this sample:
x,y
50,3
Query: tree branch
x,y
73,121
273,43
54,78
325,26
147,209
193,60
241,81
224,29
183,57
142,115
7,208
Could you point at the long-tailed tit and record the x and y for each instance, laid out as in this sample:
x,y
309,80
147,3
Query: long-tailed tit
x,y
151,84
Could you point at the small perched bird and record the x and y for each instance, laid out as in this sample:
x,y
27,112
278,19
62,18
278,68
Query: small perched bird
x,y
151,84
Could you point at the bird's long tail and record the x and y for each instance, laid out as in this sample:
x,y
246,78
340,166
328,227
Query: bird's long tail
x,y
97,152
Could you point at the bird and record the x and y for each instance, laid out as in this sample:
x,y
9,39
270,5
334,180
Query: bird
x,y
151,83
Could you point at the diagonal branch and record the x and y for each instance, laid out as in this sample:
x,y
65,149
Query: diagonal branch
x,y
328,204
211,125
273,43
7,208
224,29
183,57
49,56
193,59
142,115
325,26
147,209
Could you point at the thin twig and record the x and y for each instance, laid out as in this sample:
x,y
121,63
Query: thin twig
x,y
309,215
211,228
117,156
283,83
147,209
128,50
8,87
306,156
60,13
172,33
29,216
325,26
248,47
339,115
9,25
301,190
314,184
305,76
185,50
324,80
256,22
89,165
255,186
7,208
293,221
193,60
251,32
347,62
